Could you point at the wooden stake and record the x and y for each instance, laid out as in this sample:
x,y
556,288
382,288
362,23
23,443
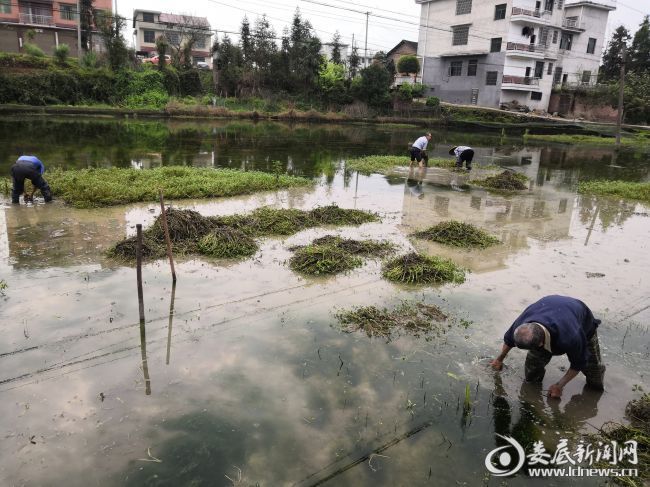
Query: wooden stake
x,y
171,320
143,338
168,241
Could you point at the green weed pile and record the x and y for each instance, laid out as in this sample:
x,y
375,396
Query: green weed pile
x,y
230,236
88,188
415,319
331,254
506,181
414,268
458,234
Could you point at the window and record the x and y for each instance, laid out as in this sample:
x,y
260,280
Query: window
x,y
456,68
147,17
67,11
566,41
495,44
463,7
586,77
591,46
549,71
149,36
557,78
199,59
491,78
5,6
200,43
555,34
536,95
472,67
460,35
539,69
548,5
543,36
173,38
500,11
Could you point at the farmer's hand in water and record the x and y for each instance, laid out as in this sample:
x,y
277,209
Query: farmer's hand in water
x,y
497,364
555,391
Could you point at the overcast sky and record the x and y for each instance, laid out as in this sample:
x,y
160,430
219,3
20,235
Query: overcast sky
x,y
383,33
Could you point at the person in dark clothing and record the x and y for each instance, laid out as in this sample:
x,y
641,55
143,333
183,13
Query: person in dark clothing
x,y
463,154
556,325
28,167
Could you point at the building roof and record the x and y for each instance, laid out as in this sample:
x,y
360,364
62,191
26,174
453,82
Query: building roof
x,y
175,19
403,42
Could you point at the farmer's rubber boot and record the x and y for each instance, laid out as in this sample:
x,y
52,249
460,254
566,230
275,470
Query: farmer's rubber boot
x,y
47,193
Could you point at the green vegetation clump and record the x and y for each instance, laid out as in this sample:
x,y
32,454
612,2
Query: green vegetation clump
x,y
458,234
224,242
413,318
620,189
227,236
385,164
637,140
3,287
506,181
333,215
88,188
323,259
367,248
413,268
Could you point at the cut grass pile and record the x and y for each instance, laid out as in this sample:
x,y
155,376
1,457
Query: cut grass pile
x,y
413,268
458,234
231,236
506,181
619,189
385,164
88,188
638,410
332,254
416,319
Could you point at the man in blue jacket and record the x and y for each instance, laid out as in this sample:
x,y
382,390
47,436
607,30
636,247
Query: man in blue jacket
x,y
556,325
28,167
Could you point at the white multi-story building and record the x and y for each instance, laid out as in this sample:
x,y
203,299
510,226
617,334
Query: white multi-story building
x,y
487,53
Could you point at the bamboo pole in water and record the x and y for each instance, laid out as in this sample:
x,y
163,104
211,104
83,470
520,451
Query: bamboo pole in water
x,y
171,319
143,339
163,215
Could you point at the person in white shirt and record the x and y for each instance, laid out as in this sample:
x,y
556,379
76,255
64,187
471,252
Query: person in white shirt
x,y
418,149
463,154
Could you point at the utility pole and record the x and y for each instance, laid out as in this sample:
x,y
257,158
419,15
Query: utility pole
x,y
116,21
621,89
78,30
365,49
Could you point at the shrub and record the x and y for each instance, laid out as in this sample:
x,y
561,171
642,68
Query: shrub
x,y
61,53
418,90
33,50
405,93
89,60
148,99
190,83
433,101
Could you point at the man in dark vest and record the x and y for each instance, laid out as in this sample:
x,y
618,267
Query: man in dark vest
x,y
556,325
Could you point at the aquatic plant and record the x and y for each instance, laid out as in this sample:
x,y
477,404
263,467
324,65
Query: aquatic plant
x,y
384,164
458,234
506,181
225,242
333,215
323,259
413,318
620,189
414,268
367,248
88,188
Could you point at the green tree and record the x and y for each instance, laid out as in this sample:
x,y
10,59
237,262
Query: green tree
x,y
86,21
409,65
354,62
161,47
331,81
637,98
373,86
336,48
640,50
265,51
611,66
304,54
246,41
230,62
110,30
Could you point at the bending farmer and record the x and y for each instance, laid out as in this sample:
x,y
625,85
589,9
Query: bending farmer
x,y
463,154
556,325
28,167
418,149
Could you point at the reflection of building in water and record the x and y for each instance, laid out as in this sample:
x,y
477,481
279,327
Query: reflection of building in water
x,y
543,214
57,236
152,160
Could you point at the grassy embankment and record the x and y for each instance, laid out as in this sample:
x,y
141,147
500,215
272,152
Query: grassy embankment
x,y
90,188
618,189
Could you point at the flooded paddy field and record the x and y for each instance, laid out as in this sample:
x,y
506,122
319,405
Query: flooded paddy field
x,y
242,374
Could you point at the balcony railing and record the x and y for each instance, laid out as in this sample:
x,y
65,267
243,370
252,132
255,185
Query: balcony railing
x,y
520,80
36,19
524,11
519,46
573,24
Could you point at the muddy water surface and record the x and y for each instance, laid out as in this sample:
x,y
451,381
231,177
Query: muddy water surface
x,y
249,381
